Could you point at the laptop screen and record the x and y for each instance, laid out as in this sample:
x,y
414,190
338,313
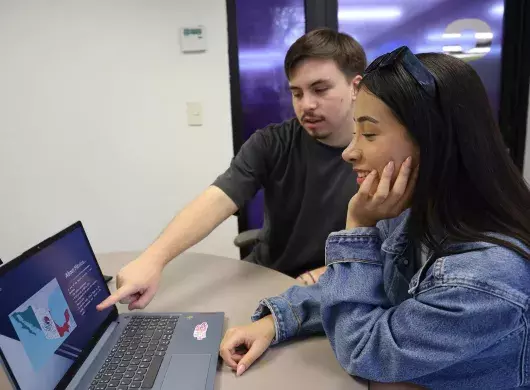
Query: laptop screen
x,y
48,315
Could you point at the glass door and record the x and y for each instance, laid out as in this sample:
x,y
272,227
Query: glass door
x,y
260,33
470,30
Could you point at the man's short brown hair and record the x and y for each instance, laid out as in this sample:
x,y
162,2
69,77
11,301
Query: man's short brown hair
x,y
325,43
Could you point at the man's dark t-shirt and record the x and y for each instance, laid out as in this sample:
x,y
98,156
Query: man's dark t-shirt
x,y
307,187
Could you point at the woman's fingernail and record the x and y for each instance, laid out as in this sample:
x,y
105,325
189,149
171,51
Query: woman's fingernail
x,y
390,166
408,160
240,370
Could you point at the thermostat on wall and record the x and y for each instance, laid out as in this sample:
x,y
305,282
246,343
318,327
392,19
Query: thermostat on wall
x,y
192,39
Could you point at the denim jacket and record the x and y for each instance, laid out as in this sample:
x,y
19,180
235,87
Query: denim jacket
x,y
459,322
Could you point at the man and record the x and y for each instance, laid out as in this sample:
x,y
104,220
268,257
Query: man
x,y
306,183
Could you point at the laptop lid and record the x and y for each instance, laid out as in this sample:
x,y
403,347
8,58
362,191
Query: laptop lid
x,y
48,317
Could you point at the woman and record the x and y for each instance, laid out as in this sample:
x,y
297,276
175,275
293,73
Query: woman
x,y
430,281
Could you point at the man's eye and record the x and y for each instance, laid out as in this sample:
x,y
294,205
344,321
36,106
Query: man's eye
x,y
369,136
320,90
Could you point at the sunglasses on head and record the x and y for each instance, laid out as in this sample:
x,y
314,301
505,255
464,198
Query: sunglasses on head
x,y
412,65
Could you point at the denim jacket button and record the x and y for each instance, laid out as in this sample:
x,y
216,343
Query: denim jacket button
x,y
406,262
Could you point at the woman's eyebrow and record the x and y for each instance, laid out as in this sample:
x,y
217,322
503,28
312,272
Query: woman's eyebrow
x,y
366,118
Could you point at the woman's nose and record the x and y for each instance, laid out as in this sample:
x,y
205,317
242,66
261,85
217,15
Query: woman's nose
x,y
351,154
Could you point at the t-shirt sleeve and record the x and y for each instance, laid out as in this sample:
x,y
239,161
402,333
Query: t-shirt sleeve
x,y
250,168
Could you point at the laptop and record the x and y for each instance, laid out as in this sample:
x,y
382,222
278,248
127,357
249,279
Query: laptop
x,y
52,336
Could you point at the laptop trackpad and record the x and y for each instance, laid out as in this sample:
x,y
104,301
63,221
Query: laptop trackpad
x,y
188,372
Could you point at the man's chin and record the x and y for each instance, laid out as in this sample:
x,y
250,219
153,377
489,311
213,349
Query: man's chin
x,y
318,133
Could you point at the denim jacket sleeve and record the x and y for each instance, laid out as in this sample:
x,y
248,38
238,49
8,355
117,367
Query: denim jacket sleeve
x,y
296,312
372,339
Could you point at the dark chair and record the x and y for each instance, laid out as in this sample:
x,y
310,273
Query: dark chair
x,y
247,239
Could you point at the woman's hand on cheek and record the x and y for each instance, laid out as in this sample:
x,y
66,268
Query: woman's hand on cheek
x,y
366,209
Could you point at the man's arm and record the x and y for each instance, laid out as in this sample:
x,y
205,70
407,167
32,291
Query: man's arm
x,y
247,173
312,276
138,281
196,221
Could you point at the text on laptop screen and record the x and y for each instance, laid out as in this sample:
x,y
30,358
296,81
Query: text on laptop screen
x,y
48,313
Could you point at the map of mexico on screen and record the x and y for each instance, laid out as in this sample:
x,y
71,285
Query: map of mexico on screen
x,y
43,323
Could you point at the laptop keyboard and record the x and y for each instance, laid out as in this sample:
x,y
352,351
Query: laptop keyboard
x,y
134,361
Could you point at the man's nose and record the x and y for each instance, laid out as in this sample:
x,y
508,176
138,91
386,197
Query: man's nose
x,y
309,103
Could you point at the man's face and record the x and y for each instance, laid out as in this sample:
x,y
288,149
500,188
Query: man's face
x,y
323,100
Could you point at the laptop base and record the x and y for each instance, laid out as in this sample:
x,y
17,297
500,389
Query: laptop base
x,y
190,349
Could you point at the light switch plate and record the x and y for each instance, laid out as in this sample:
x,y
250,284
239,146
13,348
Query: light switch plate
x,y
194,112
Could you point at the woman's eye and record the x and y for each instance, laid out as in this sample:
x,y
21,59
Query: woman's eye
x,y
369,136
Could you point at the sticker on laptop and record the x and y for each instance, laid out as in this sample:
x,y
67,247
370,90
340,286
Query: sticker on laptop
x,y
200,331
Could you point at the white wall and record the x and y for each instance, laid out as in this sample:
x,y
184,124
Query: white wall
x,y
92,119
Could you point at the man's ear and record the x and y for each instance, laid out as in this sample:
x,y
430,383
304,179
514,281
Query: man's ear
x,y
355,86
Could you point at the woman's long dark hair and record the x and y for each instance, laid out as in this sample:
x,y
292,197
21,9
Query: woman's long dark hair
x,y
468,186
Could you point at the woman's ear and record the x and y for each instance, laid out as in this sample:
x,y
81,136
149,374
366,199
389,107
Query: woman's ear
x,y
355,86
